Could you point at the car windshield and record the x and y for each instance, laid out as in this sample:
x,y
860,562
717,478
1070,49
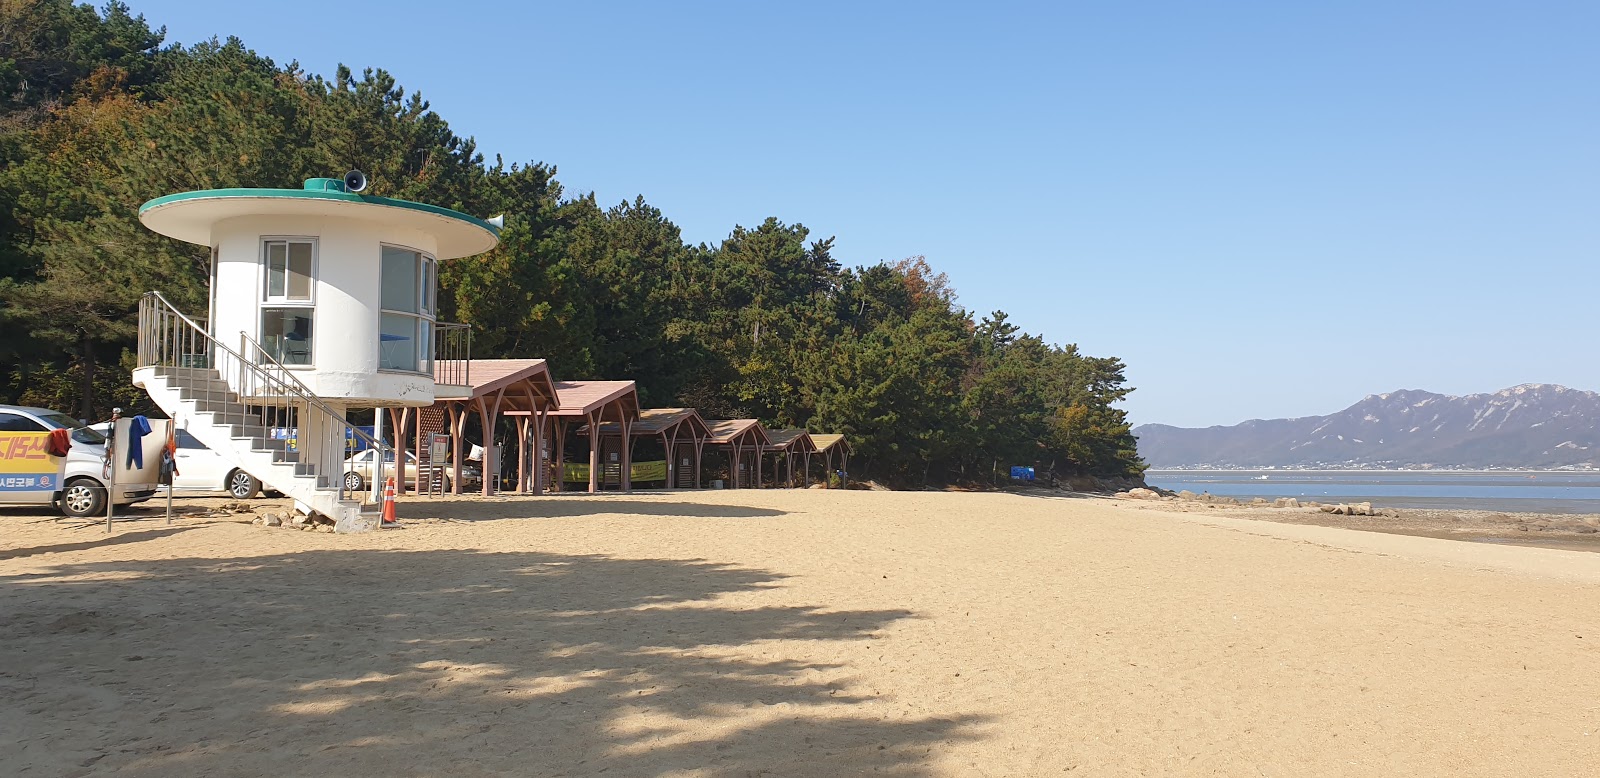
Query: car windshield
x,y
80,433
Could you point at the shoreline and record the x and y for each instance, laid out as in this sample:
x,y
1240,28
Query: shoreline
x,y
1532,529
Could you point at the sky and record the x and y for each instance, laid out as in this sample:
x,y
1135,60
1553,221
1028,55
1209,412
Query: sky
x,y
1265,209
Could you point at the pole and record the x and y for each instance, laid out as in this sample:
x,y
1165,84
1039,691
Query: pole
x,y
111,468
377,456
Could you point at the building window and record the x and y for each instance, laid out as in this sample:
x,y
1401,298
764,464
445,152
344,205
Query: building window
x,y
289,289
406,326
286,334
289,272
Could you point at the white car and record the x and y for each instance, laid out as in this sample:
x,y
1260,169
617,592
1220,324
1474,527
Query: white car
x,y
358,470
202,470
82,491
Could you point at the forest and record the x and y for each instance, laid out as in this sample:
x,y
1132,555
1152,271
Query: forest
x,y
98,114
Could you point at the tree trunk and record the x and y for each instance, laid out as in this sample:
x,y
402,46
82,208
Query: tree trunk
x,y
86,388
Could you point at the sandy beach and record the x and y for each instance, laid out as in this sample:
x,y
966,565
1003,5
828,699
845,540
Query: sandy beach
x,y
791,633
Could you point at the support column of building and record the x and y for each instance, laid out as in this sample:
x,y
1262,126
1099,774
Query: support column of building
x,y
458,430
417,479
758,464
488,415
398,419
594,450
541,473
672,458
625,479
699,448
561,454
522,454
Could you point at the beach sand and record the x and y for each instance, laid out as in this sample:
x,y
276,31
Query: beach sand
x,y
786,633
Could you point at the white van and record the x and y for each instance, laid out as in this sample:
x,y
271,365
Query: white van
x,y
83,489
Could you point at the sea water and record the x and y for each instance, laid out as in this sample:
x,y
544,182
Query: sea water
x,y
1541,492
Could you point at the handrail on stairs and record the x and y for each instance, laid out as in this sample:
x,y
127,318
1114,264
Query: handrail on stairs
x,y
270,392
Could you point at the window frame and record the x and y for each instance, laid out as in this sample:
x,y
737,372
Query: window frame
x,y
268,302
277,301
427,309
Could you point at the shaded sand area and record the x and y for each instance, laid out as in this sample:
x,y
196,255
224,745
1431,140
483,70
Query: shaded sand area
x,y
791,633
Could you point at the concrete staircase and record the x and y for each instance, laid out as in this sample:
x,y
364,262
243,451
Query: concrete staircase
x,y
213,413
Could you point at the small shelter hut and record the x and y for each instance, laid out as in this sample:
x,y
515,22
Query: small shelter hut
x,y
743,440
829,446
682,434
589,405
787,446
519,388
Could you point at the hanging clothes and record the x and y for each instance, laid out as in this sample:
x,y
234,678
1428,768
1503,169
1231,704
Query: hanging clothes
x,y
59,444
138,427
169,456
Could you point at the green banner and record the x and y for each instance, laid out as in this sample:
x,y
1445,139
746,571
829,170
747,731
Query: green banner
x,y
573,472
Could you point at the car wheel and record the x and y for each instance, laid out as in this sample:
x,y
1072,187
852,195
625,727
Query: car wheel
x,y
353,482
82,498
242,485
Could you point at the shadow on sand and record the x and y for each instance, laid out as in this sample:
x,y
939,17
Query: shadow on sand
x,y
424,663
101,541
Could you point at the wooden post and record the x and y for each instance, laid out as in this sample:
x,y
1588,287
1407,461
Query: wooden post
x,y
417,484
672,458
625,478
541,473
699,448
594,450
560,435
759,457
522,454
458,430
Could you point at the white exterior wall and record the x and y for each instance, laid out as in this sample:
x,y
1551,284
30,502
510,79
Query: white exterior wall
x,y
346,295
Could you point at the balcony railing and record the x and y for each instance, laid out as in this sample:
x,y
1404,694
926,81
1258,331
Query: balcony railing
x,y
452,354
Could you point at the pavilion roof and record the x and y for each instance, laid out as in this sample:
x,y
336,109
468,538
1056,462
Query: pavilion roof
x,y
518,377
581,398
658,421
792,441
827,440
730,430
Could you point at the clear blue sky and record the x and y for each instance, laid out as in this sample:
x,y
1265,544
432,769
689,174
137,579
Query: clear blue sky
x,y
1266,209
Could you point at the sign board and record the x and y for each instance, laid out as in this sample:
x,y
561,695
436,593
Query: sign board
x,y
26,464
1020,473
439,447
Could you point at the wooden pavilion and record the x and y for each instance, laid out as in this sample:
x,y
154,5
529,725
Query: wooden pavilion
x,y
740,438
682,433
787,445
590,405
492,387
828,446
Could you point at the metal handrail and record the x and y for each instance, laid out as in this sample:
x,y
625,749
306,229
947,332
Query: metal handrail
x,y
275,398
305,391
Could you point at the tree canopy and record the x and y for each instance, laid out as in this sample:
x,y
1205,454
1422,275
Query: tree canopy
x,y
98,115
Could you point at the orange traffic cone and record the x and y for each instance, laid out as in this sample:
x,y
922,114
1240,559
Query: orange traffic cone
x,y
388,504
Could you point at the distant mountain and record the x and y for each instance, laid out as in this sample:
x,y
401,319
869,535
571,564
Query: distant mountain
x,y
1528,426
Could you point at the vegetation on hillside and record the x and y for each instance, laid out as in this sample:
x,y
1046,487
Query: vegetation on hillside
x,y
98,115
